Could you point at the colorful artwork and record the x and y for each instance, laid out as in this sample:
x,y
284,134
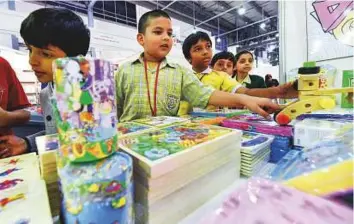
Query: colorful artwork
x,y
330,29
7,200
6,184
160,121
158,144
131,127
85,108
8,172
98,192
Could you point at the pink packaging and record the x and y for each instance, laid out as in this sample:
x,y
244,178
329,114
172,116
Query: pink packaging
x,y
256,123
264,202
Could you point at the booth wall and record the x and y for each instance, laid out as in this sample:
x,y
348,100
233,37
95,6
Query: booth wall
x,y
295,47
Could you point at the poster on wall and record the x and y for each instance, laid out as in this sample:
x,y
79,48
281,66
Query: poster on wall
x,y
330,28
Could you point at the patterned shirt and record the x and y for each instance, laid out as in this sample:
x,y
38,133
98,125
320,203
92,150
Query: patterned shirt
x,y
175,83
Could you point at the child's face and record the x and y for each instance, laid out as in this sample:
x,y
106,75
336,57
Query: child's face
x,y
157,39
201,54
224,65
245,63
41,60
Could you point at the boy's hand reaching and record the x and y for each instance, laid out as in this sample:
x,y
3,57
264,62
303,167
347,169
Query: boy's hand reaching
x,y
11,145
286,91
261,106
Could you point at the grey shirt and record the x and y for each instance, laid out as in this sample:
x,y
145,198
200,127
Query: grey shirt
x,y
45,97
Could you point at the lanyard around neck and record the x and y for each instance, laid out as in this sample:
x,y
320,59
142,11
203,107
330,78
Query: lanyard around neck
x,y
153,110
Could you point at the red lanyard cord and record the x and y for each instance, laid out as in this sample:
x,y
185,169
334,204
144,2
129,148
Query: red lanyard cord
x,y
153,110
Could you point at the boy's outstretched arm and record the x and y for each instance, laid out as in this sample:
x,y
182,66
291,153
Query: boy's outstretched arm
x,y
12,118
285,91
261,106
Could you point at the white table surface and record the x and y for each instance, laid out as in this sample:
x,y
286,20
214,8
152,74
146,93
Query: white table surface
x,y
211,205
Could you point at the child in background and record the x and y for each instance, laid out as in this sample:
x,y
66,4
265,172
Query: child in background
x,y
244,64
223,61
12,100
49,33
152,85
197,49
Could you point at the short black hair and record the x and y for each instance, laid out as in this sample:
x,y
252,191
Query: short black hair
x,y
191,40
238,55
223,55
145,18
58,27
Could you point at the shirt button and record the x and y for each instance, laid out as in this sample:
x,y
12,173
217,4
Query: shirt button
x,y
48,118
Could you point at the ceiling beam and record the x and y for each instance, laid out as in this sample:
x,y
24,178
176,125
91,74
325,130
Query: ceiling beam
x,y
204,11
175,14
259,9
169,4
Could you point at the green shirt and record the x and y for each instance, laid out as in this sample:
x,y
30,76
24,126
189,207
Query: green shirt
x,y
175,83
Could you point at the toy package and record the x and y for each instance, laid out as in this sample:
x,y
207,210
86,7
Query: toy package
x,y
322,169
308,131
256,123
263,201
84,107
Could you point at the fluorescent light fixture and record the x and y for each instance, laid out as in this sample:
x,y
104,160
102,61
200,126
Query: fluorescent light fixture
x,y
241,11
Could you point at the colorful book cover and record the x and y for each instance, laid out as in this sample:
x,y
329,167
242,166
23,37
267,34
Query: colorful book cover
x,y
160,121
224,112
163,150
127,128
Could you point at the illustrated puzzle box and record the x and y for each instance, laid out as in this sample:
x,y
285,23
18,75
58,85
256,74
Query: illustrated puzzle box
x,y
170,161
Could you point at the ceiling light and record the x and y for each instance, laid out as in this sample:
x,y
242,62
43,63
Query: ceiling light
x,y
218,40
262,26
277,35
241,11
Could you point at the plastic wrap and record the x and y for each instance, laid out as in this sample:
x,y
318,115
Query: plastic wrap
x,y
323,169
266,202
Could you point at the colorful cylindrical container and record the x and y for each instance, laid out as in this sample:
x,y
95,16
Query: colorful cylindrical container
x,y
98,192
84,107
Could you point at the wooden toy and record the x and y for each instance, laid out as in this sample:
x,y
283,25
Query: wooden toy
x,y
311,96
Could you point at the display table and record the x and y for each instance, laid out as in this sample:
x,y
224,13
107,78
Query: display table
x,y
212,204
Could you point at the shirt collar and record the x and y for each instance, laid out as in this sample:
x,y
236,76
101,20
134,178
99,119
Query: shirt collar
x,y
206,71
164,62
247,80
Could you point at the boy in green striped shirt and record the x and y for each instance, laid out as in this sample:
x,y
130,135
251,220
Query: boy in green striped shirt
x,y
153,86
